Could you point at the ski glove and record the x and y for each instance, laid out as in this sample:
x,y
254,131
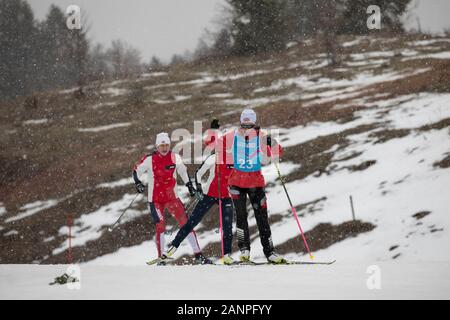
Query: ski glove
x,y
269,141
199,192
199,187
140,188
191,189
215,124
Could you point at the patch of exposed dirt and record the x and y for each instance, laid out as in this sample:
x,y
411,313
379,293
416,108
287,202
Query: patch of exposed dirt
x,y
349,157
29,245
324,235
362,166
437,79
383,136
126,235
293,113
420,215
313,156
445,123
444,163
309,207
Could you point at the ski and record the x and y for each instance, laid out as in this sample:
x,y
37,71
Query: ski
x,y
158,260
168,261
253,263
313,262
297,263
248,263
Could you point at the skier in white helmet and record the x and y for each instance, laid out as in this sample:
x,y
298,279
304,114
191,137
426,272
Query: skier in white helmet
x,y
246,148
161,168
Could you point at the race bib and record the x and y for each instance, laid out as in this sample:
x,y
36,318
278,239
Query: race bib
x,y
246,154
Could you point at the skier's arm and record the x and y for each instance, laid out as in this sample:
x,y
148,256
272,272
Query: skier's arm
x,y
205,166
212,134
139,169
271,147
181,169
140,188
182,172
276,148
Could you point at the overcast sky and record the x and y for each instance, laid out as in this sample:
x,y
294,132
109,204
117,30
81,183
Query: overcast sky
x,y
156,27
166,27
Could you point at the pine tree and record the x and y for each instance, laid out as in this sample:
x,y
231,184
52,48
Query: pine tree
x,y
222,44
258,26
79,47
62,53
355,15
303,17
53,47
58,61
155,63
17,29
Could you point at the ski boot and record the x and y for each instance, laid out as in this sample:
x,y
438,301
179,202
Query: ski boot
x,y
201,259
166,255
169,252
274,258
245,256
228,260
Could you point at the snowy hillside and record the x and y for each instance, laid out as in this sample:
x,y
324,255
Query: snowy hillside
x,y
376,127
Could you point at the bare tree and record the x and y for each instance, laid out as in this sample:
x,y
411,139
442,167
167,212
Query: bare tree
x,y
97,67
124,59
329,20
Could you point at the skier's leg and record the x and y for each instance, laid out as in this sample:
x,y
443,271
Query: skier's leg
x,y
197,215
176,208
259,203
239,197
227,224
156,213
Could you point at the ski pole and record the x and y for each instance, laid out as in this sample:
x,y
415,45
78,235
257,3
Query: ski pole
x,y
219,194
118,220
220,210
290,203
192,205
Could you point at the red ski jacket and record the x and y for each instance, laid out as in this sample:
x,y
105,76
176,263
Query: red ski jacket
x,y
224,146
161,173
217,171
